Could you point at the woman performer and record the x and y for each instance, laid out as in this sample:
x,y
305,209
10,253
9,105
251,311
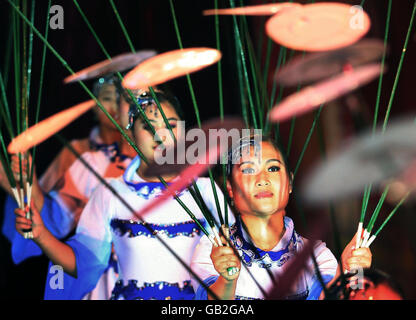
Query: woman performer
x,y
147,270
62,206
103,137
259,186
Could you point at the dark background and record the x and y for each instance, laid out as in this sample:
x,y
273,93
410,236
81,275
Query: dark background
x,y
150,26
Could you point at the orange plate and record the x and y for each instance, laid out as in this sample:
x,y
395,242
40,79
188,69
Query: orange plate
x,y
319,26
311,97
117,64
261,10
170,65
47,128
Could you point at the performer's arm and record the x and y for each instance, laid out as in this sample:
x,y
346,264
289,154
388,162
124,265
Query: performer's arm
x,y
58,252
222,259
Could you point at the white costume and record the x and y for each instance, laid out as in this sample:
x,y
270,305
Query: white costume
x,y
306,287
147,270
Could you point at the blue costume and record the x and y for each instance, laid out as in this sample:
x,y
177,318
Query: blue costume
x,y
147,270
257,261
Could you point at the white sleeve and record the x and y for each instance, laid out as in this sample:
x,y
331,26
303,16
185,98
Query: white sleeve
x,y
201,262
84,180
93,229
326,261
327,264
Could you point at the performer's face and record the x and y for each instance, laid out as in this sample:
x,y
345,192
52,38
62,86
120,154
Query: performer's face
x,y
108,98
260,185
143,135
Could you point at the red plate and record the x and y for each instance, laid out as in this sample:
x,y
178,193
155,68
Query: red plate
x,y
318,27
117,64
48,127
313,96
170,65
260,10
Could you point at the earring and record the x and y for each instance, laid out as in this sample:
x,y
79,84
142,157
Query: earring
x,y
232,202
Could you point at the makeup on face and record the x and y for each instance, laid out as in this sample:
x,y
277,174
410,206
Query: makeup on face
x,y
260,182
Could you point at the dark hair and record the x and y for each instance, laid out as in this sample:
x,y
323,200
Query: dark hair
x,y
252,141
105,80
144,99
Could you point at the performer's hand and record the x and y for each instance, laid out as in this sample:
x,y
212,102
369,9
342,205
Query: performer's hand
x,y
16,165
35,223
223,258
353,258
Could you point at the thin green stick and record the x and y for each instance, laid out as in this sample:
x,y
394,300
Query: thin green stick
x,y
269,105
221,108
366,197
396,80
367,191
24,115
255,72
291,132
152,92
245,73
333,222
91,29
6,163
217,201
109,57
201,204
123,28
286,58
126,35
293,122
269,48
308,138
194,195
28,76
8,47
380,80
40,90
241,83
391,214
224,175
280,62
16,56
188,77
65,64
196,109
6,168
6,111
219,66
377,210
29,64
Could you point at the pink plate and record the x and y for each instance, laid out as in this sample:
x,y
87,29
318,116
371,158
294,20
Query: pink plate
x,y
170,65
117,64
319,26
48,127
260,10
313,96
